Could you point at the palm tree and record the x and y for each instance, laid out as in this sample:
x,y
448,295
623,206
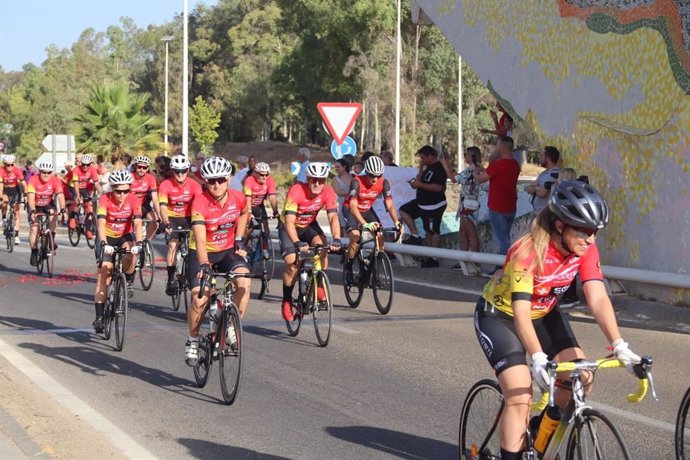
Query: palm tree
x,y
114,123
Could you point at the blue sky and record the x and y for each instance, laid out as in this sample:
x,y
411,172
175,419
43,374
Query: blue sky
x,y
30,26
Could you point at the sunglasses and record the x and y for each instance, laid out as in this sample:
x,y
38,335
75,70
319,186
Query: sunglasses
x,y
373,176
46,172
316,180
585,233
180,171
216,180
121,191
263,175
142,167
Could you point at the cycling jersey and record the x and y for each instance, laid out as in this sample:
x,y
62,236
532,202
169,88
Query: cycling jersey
x,y
518,282
11,178
301,203
259,192
118,217
220,220
178,197
44,191
85,178
141,186
366,193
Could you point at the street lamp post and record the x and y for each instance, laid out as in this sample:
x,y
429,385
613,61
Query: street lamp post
x,y
167,40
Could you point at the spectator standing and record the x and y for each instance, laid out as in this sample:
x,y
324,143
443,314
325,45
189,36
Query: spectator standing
x,y
303,157
468,205
357,168
29,170
503,125
540,189
430,202
341,185
503,174
387,157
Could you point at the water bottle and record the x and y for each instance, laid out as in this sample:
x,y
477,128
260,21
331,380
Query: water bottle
x,y
212,312
303,282
549,422
82,218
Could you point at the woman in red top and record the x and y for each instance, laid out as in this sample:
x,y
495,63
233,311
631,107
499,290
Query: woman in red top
x,y
40,193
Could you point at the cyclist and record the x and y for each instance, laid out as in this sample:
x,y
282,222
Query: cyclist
x,y
145,189
39,195
11,184
358,208
298,228
258,186
219,219
85,182
175,196
119,225
517,313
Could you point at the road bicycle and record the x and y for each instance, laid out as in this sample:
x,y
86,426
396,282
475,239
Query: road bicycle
x,y
371,268
45,245
683,429
116,307
10,222
85,225
314,296
591,435
220,338
181,265
260,253
146,262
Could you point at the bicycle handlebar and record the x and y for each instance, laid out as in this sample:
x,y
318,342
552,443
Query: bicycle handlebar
x,y
118,250
227,275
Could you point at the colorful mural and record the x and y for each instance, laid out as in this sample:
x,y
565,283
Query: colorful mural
x,y
608,81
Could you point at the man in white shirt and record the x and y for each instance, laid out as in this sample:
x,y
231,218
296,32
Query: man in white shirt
x,y
540,189
303,156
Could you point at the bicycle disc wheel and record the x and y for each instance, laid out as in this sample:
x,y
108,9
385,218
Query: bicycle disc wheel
x,y
594,436
120,310
73,233
355,290
148,267
90,228
268,265
382,283
683,430
322,311
202,369
49,254
9,231
481,412
230,354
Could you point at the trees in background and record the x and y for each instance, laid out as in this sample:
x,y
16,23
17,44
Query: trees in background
x,y
203,121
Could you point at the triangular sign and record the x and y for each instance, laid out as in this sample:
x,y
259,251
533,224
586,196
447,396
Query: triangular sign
x,y
339,117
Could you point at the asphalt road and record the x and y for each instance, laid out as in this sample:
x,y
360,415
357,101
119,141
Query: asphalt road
x,y
385,387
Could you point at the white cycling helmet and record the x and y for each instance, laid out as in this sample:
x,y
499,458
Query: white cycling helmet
x,y
179,162
8,159
44,165
216,167
140,159
374,166
86,159
120,177
262,167
318,170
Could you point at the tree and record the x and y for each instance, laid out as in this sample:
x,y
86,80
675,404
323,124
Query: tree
x,y
203,121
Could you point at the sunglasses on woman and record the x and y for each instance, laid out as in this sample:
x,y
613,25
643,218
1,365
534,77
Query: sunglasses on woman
x,y
585,233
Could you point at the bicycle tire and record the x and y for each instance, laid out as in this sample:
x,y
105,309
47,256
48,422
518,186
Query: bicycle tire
x,y
355,291
682,429
120,310
485,401
73,233
9,230
588,438
90,226
202,368
382,283
293,326
230,356
177,293
108,313
148,268
268,266
322,311
40,247
49,254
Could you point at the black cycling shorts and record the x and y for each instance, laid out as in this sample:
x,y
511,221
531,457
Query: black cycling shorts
x,y
353,224
44,210
431,220
10,192
259,212
501,345
114,242
179,223
223,261
306,234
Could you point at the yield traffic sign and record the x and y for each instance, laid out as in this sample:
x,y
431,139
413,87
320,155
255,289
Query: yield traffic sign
x,y
339,117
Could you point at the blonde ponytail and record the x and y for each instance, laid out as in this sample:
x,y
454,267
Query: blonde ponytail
x,y
533,245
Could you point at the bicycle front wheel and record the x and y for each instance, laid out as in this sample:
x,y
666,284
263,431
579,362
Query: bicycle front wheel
x,y
481,412
683,430
594,436
382,283
230,353
353,283
120,308
90,229
322,310
147,267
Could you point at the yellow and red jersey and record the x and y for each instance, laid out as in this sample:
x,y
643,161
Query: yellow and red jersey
x,y
143,185
178,197
305,206
258,192
366,193
84,178
119,218
12,177
519,280
44,191
219,219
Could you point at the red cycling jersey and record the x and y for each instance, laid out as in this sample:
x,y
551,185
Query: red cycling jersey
x,y
517,281
118,217
259,192
178,197
45,191
12,177
85,178
366,193
305,206
220,220
142,185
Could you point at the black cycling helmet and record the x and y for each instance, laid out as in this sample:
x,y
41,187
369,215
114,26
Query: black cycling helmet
x,y
579,205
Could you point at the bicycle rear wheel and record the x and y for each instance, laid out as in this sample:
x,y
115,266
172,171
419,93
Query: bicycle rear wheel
x,y
147,267
354,290
481,412
120,310
382,283
9,230
202,369
49,254
294,325
40,246
73,233
594,436
683,430
230,353
268,264
90,229
322,310
108,315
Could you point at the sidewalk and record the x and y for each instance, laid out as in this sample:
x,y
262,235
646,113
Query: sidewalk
x,y
15,442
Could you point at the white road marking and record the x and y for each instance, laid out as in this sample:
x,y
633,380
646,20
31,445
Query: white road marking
x,y
664,426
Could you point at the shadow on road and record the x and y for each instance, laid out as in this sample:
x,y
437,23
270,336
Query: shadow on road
x,y
396,443
205,449
86,298
276,335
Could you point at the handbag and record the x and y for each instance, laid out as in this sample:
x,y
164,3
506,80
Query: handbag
x,y
471,204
